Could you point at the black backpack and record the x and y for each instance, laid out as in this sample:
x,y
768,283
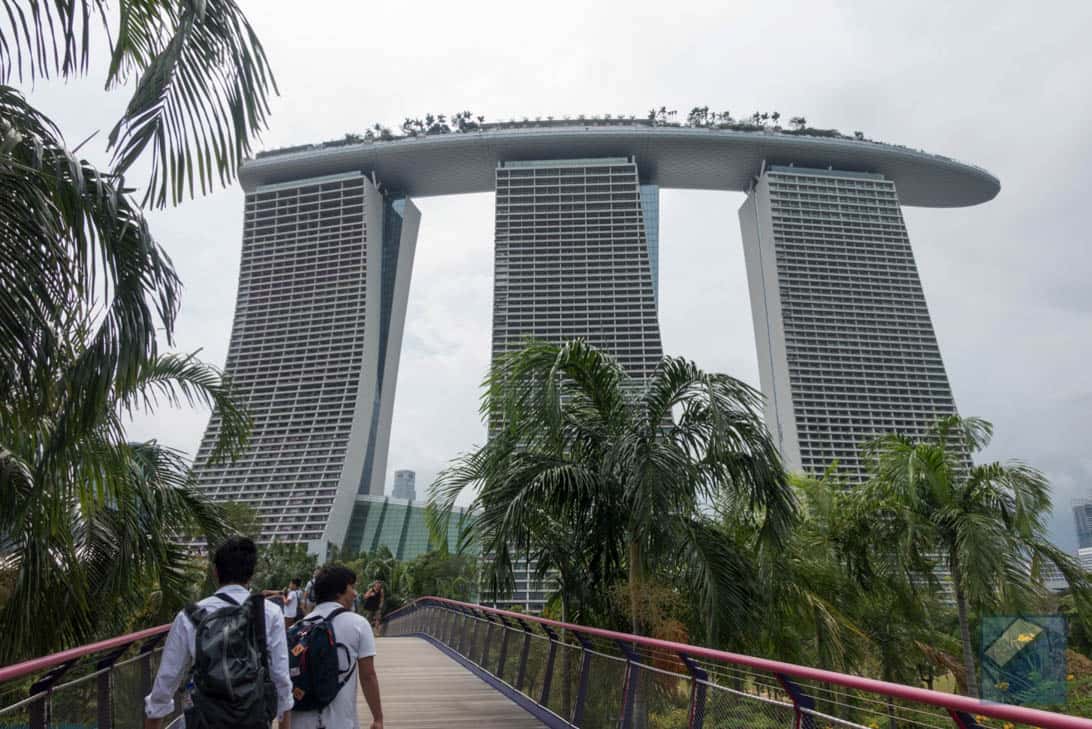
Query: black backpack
x,y
313,662
233,688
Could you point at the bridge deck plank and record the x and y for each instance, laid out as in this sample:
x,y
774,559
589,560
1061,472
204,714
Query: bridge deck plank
x,y
421,688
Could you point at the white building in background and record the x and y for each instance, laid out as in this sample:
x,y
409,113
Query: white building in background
x,y
846,348
1084,556
575,244
314,350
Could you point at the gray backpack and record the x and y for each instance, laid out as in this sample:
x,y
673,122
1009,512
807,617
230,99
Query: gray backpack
x,y
233,688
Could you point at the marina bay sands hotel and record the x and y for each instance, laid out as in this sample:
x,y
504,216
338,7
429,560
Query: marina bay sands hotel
x,y
846,347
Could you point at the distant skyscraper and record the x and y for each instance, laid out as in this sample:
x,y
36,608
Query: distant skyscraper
x,y
576,253
1082,515
314,352
846,348
404,482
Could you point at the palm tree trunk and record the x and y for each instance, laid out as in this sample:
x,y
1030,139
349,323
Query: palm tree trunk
x,y
964,627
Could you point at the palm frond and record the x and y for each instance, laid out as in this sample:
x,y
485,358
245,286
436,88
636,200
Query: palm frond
x,y
202,93
42,38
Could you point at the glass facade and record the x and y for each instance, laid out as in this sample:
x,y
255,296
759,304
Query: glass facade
x,y
393,210
398,525
650,211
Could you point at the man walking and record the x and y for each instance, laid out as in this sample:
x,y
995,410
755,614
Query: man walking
x,y
293,598
233,564
335,591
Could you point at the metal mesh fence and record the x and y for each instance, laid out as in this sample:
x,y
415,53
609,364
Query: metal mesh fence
x,y
75,703
596,683
728,708
665,698
16,715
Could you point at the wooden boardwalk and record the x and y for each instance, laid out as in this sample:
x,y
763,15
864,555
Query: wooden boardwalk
x,y
421,687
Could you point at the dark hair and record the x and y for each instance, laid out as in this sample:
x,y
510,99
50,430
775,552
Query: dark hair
x,y
294,581
235,560
333,580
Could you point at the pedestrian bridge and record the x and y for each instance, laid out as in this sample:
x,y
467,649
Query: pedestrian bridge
x,y
449,664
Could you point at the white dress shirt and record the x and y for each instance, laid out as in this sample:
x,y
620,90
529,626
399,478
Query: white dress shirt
x,y
292,604
354,632
179,649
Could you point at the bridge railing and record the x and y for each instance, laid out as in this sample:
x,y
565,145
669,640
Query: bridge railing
x,y
578,676
98,685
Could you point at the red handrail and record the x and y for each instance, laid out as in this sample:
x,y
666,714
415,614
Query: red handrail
x,y
951,702
37,665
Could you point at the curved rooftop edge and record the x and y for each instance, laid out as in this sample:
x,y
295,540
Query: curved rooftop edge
x,y
671,157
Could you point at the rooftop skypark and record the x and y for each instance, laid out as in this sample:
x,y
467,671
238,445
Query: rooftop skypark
x,y
465,122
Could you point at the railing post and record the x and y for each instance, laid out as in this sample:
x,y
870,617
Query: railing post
x,y
521,672
963,720
38,711
800,701
698,691
548,677
105,708
464,631
458,628
468,647
629,685
146,663
484,662
585,670
504,647
452,626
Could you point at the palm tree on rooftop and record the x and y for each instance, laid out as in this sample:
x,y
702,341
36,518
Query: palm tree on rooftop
x,y
985,523
579,442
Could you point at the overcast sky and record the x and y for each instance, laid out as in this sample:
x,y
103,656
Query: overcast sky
x,y
1003,85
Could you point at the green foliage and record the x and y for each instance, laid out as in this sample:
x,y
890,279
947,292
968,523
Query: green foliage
x,y
435,573
451,576
92,522
600,478
241,518
986,523
280,562
202,80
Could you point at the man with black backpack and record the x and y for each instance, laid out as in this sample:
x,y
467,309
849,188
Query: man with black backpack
x,y
235,644
327,649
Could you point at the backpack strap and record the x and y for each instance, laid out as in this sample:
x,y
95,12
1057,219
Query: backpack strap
x,y
257,606
195,613
227,598
352,664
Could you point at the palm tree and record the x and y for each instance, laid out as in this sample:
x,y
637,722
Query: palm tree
x,y
202,80
579,443
91,522
986,523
